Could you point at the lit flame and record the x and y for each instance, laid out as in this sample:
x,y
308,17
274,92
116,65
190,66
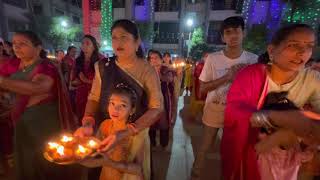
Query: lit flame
x,y
81,149
92,143
60,150
66,139
53,145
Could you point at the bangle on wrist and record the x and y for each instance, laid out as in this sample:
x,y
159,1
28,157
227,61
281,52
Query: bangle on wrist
x,y
88,121
263,119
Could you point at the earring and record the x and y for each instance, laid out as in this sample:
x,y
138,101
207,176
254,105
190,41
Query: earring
x,y
271,60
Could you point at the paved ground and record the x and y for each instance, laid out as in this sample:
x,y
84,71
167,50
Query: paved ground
x,y
186,136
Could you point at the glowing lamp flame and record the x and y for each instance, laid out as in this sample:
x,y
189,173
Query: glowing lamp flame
x,y
66,139
92,143
60,150
81,149
53,145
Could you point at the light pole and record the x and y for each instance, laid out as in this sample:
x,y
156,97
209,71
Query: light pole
x,y
64,23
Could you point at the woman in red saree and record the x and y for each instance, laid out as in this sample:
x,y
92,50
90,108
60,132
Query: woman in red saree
x,y
41,109
242,158
6,129
83,72
166,75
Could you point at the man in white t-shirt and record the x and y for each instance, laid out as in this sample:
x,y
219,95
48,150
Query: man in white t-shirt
x,y
216,77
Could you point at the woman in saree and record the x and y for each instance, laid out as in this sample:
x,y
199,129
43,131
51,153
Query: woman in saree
x,y
83,72
128,67
6,129
242,158
166,76
41,109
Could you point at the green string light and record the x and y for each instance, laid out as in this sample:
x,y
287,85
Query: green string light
x,y
308,14
106,23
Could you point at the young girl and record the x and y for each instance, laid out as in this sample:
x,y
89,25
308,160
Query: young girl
x,y
129,159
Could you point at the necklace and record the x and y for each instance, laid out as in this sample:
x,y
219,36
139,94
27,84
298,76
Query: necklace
x,y
25,68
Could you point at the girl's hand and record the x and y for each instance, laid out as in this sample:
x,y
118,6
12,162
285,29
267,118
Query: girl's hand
x,y
112,140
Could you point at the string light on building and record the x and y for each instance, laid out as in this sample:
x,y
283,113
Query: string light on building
x,y
106,21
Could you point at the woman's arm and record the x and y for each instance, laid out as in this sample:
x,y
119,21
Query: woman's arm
x,y
40,84
304,123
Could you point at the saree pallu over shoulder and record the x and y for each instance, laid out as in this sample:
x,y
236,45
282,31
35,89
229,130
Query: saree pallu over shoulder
x,y
111,76
238,157
59,94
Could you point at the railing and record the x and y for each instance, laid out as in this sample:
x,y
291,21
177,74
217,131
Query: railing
x,y
166,38
163,6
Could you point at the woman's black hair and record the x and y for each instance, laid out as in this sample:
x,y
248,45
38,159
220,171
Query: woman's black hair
x,y
123,89
33,37
70,48
168,54
264,58
282,34
157,53
59,50
131,28
3,51
94,57
43,54
8,43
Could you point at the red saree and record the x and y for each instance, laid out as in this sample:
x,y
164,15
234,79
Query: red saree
x,y
66,117
239,160
83,91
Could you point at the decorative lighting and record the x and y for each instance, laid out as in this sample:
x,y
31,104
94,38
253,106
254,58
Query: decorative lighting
x,y
106,21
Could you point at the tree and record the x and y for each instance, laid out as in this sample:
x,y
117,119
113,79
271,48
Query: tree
x,y
256,39
53,33
302,11
61,35
198,44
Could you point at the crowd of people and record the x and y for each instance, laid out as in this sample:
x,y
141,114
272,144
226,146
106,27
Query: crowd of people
x,y
124,100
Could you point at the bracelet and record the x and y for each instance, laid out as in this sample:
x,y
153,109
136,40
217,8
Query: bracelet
x,y
132,127
88,121
263,120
